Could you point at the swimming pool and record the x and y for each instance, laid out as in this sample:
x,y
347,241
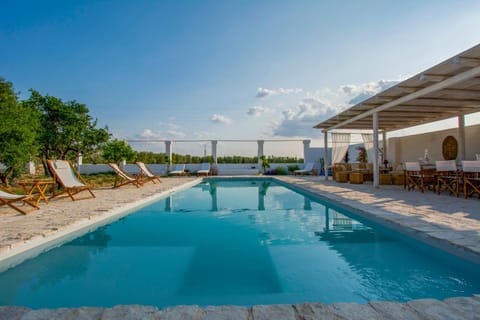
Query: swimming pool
x,y
236,242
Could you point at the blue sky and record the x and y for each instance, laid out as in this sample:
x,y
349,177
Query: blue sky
x,y
224,69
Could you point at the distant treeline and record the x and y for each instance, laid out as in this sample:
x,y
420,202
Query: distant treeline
x,y
160,158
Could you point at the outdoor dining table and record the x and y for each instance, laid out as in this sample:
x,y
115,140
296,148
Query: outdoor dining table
x,y
37,188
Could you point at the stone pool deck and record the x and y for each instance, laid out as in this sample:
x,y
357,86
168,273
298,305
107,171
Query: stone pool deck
x,y
452,224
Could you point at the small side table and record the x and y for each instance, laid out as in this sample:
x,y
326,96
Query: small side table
x,y
37,189
341,177
356,177
385,178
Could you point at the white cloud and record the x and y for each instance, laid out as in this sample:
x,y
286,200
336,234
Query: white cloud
x,y
263,92
150,134
319,105
175,134
160,135
361,92
256,111
218,118
299,120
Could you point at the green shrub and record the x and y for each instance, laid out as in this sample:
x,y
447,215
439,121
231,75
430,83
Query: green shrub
x,y
281,171
293,167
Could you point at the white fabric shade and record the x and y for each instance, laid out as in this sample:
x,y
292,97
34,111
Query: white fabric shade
x,y
368,143
340,144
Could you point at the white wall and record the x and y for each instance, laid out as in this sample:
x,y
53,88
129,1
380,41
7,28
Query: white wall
x,y
161,169
315,153
411,148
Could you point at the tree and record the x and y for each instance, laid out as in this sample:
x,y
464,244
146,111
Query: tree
x,y
118,150
265,164
66,128
18,127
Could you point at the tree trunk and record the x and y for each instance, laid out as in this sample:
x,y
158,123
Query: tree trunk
x,y
4,177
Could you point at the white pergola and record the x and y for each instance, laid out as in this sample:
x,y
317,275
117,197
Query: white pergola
x,y
449,89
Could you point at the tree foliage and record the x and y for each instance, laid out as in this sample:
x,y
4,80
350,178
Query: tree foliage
x,y
118,150
18,128
151,157
66,128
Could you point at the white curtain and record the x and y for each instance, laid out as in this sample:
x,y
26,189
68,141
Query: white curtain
x,y
368,143
340,144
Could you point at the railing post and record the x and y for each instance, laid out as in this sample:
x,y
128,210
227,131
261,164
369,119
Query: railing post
x,y
214,151
260,151
306,150
168,152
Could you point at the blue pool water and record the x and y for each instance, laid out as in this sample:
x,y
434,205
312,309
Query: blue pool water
x,y
236,242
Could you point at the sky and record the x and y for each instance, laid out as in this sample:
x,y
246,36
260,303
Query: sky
x,y
226,69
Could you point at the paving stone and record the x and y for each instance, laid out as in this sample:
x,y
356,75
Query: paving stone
x,y
88,313
315,311
225,313
131,312
395,310
276,311
181,313
355,311
49,314
434,309
12,312
469,308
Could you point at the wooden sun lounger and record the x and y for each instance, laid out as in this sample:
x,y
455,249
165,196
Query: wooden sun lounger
x,y
122,178
145,174
8,199
67,176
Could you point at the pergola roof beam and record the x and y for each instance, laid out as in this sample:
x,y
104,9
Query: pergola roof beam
x,y
432,77
450,88
437,101
417,94
466,62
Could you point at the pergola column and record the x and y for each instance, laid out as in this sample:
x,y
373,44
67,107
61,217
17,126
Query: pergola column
x,y
214,151
375,150
306,148
260,150
461,137
325,153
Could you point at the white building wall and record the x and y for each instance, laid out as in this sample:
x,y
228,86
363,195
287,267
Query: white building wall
x,y
412,148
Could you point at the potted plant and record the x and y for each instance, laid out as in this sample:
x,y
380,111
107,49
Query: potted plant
x,y
265,164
